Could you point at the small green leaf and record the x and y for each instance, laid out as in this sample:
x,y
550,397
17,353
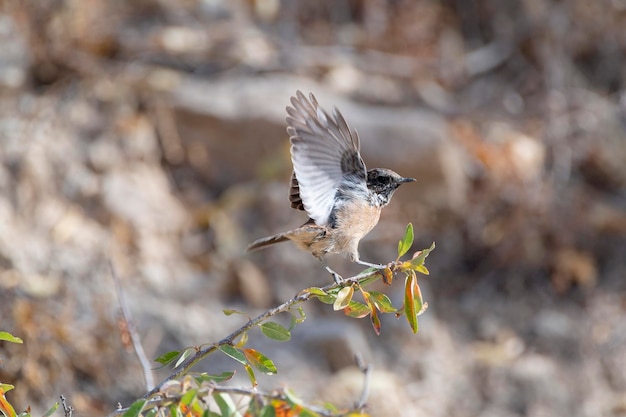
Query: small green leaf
x,y
184,356
230,312
420,256
382,302
356,310
6,388
204,377
243,340
226,405
188,397
315,291
343,298
422,269
275,331
409,301
267,411
8,337
251,375
234,353
327,299
167,358
423,309
417,295
135,409
407,241
260,361
296,319
51,410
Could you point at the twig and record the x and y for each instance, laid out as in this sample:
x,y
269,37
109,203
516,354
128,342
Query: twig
x,y
67,409
367,373
228,340
132,330
247,392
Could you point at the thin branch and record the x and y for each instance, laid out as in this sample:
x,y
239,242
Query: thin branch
x,y
367,373
247,392
228,340
132,330
67,409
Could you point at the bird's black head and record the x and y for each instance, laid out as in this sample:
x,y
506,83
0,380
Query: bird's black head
x,y
382,182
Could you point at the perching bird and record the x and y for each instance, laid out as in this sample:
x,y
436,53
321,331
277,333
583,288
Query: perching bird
x,y
330,182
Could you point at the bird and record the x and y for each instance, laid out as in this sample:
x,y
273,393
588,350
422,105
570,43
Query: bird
x,y
330,182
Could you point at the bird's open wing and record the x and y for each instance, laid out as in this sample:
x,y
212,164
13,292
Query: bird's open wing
x,y
324,152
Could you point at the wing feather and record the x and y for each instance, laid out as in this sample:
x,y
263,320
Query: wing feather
x,y
324,151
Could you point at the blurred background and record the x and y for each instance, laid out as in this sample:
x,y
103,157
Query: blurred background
x,y
151,133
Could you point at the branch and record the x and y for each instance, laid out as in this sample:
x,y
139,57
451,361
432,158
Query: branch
x,y
67,409
228,340
132,330
212,389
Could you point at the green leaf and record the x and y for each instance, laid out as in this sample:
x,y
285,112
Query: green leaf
x,y
151,413
410,310
382,302
327,299
275,331
8,337
267,411
234,353
230,312
356,310
315,291
420,256
260,361
6,388
296,319
135,409
407,241
422,269
167,358
204,377
251,375
343,298
226,405
243,340
188,397
184,356
51,410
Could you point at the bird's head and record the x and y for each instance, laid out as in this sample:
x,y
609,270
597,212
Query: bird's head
x,y
382,182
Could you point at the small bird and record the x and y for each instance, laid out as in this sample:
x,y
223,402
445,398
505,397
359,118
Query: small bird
x,y
330,182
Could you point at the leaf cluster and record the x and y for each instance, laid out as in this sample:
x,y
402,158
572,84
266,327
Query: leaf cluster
x,y
375,302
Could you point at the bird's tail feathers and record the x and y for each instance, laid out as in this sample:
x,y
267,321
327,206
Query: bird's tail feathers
x,y
266,241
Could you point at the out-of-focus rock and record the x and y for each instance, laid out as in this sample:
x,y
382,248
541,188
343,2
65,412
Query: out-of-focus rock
x,y
252,284
142,196
387,393
14,59
339,344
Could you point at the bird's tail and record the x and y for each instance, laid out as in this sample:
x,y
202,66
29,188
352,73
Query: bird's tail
x,y
266,241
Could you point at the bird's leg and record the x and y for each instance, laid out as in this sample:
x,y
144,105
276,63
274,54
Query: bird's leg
x,y
338,278
371,265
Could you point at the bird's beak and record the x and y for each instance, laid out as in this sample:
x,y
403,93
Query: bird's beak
x,y
403,180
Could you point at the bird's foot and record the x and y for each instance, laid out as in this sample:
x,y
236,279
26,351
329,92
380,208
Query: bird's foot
x,y
338,278
371,265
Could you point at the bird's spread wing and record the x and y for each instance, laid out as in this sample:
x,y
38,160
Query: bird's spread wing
x,y
324,151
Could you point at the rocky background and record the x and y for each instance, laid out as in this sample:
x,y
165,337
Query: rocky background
x,y
150,135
